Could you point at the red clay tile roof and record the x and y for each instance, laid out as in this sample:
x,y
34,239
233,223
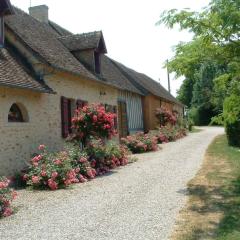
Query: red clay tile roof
x,y
13,74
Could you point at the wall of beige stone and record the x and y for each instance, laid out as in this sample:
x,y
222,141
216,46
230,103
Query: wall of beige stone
x,y
19,141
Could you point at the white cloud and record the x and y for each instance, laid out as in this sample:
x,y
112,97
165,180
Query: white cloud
x,y
128,27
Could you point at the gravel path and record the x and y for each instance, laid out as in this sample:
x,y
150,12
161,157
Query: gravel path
x,y
139,201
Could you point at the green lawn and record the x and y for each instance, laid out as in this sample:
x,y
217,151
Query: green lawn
x,y
195,130
213,209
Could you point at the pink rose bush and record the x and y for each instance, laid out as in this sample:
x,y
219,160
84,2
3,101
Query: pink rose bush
x,y
104,157
93,120
6,197
84,170
140,143
59,170
166,116
171,126
50,171
169,133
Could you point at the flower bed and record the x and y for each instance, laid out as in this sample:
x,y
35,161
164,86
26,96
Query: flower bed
x,y
169,133
6,197
106,156
50,171
140,143
59,170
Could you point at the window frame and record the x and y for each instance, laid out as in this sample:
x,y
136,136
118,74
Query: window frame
x,y
19,118
97,62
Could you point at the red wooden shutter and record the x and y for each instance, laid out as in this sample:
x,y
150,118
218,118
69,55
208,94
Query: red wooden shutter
x,y
65,116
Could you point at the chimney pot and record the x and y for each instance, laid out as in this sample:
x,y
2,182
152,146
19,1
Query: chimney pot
x,y
40,13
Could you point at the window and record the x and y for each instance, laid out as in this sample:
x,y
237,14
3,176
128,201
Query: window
x,y
15,114
1,31
97,62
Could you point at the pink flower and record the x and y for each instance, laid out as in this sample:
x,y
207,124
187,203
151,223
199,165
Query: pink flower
x,y
91,173
7,212
94,118
82,179
43,173
57,162
41,147
77,170
52,184
37,158
35,179
3,185
71,175
35,164
67,182
54,175
82,160
14,195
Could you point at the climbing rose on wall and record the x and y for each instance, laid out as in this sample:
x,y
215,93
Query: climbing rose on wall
x,y
93,121
6,197
166,116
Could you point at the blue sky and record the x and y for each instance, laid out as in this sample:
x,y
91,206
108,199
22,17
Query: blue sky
x,y
128,27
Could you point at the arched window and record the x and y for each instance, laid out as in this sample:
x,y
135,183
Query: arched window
x,y
15,114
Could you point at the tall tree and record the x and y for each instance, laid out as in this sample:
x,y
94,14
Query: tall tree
x,y
216,32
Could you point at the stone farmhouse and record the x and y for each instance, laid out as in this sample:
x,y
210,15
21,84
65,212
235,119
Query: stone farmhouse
x,y
46,72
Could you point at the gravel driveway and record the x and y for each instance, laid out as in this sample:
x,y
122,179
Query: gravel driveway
x,y
139,201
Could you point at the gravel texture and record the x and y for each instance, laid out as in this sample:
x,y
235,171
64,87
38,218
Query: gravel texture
x,y
139,201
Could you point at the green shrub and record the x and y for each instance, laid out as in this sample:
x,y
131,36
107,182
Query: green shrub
x,y
6,197
106,156
80,162
50,170
201,116
190,125
231,116
193,115
140,142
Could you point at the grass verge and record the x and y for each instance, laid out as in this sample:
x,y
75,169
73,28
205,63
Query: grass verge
x,y
195,130
213,208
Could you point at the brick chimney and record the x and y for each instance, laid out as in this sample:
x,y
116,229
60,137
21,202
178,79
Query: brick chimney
x,y
40,13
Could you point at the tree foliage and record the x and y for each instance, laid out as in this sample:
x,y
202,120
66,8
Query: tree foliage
x,y
210,63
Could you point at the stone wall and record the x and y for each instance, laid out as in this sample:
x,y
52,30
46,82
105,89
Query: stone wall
x,y
19,141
